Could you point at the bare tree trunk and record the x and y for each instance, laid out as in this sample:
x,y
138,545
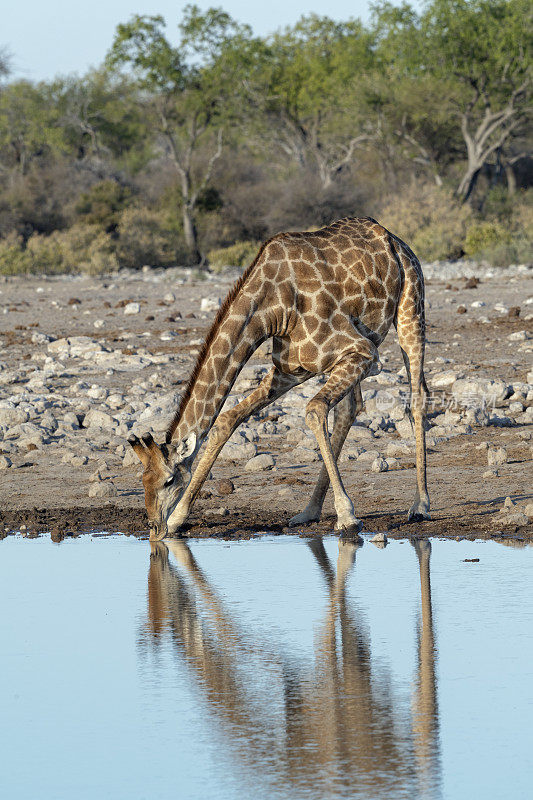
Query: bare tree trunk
x,y
190,233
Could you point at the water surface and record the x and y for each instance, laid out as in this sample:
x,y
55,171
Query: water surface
x,y
274,668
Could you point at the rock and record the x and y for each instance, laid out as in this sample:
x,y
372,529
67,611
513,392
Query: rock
x,y
222,511
103,489
514,312
9,415
491,473
461,309
379,538
368,456
209,304
443,380
379,465
305,455
517,518
130,459
41,338
98,323
260,463
395,449
99,419
236,452
529,510
5,462
170,297
480,392
519,336
225,486
132,308
404,428
477,304
496,456
472,283
508,503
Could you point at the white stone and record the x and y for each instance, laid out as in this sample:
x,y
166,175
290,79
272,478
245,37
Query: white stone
x,y
98,323
496,456
519,336
379,538
132,308
99,419
379,465
103,489
236,452
260,463
5,462
443,380
404,428
209,304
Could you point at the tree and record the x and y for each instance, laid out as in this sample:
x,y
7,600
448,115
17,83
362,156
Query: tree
x,y
29,127
184,90
479,54
307,93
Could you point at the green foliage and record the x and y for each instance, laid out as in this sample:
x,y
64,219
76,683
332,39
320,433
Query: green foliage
x,y
145,237
485,235
239,254
182,144
13,258
430,220
102,204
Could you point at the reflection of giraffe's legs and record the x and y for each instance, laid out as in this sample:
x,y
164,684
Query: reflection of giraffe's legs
x,y
344,415
350,370
273,385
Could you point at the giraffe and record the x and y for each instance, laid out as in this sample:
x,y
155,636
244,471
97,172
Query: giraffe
x,y
327,299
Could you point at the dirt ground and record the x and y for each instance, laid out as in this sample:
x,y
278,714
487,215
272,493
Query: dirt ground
x,y
39,492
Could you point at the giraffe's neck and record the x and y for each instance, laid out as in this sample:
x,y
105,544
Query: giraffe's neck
x,y
229,345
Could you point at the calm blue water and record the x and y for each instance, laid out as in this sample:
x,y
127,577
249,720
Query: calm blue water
x,y
274,668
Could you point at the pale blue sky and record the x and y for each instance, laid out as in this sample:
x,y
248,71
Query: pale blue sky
x,y
51,37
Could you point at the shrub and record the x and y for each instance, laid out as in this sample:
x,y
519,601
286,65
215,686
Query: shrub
x,y
430,221
84,248
239,254
13,258
146,237
102,204
485,235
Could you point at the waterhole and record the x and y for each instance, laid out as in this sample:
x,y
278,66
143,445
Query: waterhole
x,y
275,668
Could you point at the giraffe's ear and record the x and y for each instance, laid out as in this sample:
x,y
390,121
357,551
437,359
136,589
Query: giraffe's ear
x,y
186,448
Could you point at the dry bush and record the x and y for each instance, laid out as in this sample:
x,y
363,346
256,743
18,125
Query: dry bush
x,y
239,254
147,237
429,220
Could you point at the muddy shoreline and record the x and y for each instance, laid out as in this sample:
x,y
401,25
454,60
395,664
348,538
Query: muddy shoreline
x,y
79,373
62,523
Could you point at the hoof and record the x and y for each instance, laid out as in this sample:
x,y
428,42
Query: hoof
x,y
418,514
348,525
306,516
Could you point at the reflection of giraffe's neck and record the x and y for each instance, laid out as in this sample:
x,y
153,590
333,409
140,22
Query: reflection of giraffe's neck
x,y
230,343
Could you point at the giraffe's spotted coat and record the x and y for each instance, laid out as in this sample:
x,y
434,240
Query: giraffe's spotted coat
x,y
327,299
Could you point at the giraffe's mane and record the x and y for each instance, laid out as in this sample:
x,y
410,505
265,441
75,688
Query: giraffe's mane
x,y
209,339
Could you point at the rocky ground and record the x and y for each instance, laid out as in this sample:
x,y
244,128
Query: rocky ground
x,y
86,361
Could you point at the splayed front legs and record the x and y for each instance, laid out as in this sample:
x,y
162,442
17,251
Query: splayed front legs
x,y
271,387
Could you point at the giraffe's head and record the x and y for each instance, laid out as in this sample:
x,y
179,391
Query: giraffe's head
x,y
167,472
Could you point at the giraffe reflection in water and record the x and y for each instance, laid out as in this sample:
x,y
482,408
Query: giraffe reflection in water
x,y
331,729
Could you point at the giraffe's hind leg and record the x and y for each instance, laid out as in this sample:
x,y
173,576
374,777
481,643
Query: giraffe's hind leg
x,y
411,340
345,413
351,368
